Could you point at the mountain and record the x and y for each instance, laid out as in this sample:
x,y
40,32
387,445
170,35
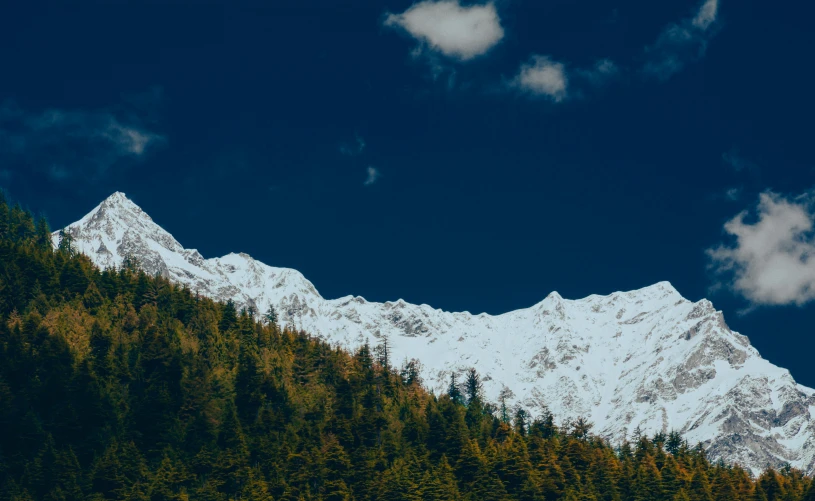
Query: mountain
x,y
647,359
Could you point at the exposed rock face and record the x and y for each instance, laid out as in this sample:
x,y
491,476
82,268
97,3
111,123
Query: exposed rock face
x,y
647,358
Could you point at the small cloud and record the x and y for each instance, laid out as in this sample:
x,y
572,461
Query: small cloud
x,y
373,176
735,160
772,258
733,194
447,27
682,42
355,148
63,144
600,74
542,76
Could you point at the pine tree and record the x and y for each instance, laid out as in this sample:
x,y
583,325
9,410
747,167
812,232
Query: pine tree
x,y
671,478
92,299
453,389
699,489
487,487
516,467
411,372
248,383
66,243
43,236
271,316
398,483
722,487
382,351
470,463
440,484
473,386
504,411
771,485
581,428
647,484
521,418
229,316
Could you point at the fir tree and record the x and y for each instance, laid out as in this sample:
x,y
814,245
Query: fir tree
x,y
453,390
472,386
271,315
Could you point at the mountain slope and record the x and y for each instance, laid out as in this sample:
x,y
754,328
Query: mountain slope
x,y
647,358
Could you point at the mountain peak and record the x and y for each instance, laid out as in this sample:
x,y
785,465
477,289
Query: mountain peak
x,y
644,358
118,197
659,290
119,202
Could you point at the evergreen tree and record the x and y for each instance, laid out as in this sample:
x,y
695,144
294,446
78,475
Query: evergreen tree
x,y
473,386
440,484
411,372
453,390
229,316
699,489
66,243
43,236
581,428
647,484
382,351
271,316
521,418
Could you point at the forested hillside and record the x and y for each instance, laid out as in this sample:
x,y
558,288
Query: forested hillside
x,y
117,385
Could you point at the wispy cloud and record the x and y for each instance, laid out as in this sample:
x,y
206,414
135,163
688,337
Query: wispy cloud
x,y
353,148
771,260
601,73
449,28
738,162
733,194
682,43
373,176
72,143
542,76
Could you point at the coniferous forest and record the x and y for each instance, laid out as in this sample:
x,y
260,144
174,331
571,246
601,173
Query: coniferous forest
x,y
117,385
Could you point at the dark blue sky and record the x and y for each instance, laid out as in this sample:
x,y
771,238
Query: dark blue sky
x,y
240,127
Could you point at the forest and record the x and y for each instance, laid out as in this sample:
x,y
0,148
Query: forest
x,y
116,385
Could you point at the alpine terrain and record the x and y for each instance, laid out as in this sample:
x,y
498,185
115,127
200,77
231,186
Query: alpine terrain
x,y
647,360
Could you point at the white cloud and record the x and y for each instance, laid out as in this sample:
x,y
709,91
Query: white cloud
x,y
452,29
542,76
706,15
682,42
71,143
772,261
373,176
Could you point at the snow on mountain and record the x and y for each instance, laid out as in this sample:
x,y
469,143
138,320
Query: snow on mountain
x,y
648,358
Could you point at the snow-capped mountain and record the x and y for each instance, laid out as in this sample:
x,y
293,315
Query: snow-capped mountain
x,y
647,358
